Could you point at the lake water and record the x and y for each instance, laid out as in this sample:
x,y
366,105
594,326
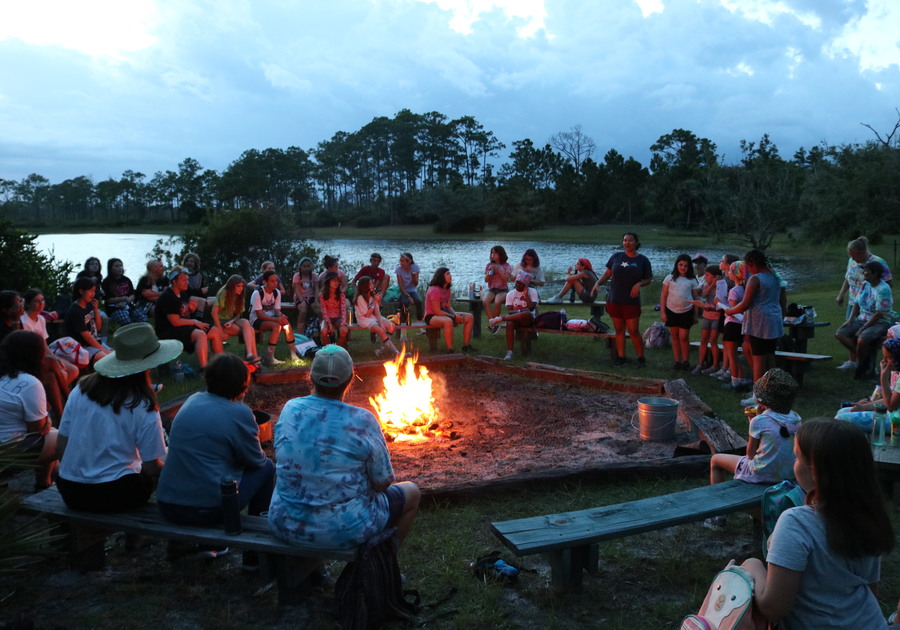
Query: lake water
x,y
466,259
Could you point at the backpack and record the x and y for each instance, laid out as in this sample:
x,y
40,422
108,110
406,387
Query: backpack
x,y
552,320
775,500
369,589
597,325
70,350
657,336
728,604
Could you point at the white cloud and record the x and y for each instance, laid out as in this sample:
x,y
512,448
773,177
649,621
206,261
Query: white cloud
x,y
285,79
741,69
649,7
103,28
467,12
767,11
873,37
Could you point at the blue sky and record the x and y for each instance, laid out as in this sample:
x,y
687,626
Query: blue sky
x,y
95,87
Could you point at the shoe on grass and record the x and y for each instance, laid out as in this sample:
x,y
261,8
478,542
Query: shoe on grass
x,y
712,369
508,356
554,300
750,402
715,522
641,362
620,361
697,371
847,365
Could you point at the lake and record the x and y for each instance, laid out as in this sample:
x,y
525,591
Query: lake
x,y
466,259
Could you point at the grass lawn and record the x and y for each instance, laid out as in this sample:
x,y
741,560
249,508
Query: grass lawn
x,y
646,581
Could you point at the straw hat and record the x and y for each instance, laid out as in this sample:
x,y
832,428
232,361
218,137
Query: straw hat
x,y
135,349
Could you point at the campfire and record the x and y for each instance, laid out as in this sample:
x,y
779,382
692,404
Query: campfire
x,y
406,408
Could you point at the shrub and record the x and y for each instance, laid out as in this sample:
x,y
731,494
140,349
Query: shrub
x,y
25,267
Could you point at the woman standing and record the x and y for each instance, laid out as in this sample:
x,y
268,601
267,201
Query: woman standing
x,y
824,558
627,272
763,307
111,442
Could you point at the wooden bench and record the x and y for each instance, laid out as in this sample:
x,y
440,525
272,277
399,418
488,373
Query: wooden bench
x,y
794,363
289,565
433,334
569,540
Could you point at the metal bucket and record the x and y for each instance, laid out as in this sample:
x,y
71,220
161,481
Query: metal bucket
x,y
657,418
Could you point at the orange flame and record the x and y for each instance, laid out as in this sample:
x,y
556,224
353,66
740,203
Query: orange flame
x,y
406,407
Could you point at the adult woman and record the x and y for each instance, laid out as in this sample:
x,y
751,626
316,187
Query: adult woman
x,y
439,313
111,442
580,281
496,275
407,273
56,374
197,289
150,286
174,321
869,320
334,486
82,319
626,271
858,251
305,285
120,294
763,306
23,404
214,436
531,265
824,557
227,316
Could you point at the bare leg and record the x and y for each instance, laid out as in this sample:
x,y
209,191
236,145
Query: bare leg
x,y
201,346
468,325
412,497
249,336
636,340
720,464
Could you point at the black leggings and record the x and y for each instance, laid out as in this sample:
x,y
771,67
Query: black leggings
x,y
121,495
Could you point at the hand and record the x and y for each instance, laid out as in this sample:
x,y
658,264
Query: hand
x,y
886,365
839,299
192,305
635,290
95,304
201,325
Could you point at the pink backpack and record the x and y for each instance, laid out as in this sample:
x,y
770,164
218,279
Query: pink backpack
x,y
728,604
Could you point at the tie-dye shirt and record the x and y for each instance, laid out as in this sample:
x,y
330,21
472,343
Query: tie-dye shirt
x,y
330,456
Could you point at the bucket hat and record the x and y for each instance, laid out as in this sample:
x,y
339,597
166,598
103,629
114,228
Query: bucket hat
x,y
135,349
776,389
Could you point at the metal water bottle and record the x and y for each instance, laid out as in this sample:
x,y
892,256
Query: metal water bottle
x,y
563,318
231,507
878,424
178,373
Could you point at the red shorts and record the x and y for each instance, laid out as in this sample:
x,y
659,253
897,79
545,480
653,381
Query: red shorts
x,y
623,311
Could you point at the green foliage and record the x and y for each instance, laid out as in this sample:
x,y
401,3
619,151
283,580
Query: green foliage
x,y
457,210
238,241
25,267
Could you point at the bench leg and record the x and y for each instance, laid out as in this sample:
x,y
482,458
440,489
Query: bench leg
x,y
432,334
87,548
567,565
524,341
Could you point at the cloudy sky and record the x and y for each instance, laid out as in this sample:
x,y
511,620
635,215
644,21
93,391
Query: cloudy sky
x,y
95,87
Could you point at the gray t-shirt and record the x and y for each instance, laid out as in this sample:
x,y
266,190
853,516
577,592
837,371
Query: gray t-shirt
x,y
834,591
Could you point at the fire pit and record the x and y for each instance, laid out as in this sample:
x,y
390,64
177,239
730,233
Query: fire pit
x,y
496,422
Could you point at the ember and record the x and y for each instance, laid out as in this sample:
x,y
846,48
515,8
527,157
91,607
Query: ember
x,y
406,407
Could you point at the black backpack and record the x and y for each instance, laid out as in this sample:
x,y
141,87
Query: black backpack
x,y
551,319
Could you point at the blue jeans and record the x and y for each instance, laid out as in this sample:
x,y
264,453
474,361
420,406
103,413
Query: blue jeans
x,y
254,491
411,296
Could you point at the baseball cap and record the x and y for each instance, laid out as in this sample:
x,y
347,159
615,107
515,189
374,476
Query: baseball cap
x,y
332,366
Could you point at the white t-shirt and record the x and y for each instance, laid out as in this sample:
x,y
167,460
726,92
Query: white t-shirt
x,y
516,301
361,306
268,303
39,326
104,446
22,399
681,290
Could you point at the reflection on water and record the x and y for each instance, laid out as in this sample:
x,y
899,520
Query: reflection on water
x,y
466,259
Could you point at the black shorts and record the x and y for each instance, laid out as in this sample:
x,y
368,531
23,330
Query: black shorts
x,y
396,502
733,332
679,320
760,346
587,297
182,334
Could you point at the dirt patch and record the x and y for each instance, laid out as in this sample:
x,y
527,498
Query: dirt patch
x,y
505,425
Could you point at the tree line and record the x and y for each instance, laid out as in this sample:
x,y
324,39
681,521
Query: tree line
x,y
430,169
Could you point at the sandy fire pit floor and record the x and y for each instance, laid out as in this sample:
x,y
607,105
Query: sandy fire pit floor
x,y
506,426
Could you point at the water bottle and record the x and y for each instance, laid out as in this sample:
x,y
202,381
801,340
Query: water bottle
x,y
878,424
231,507
178,373
563,318
895,428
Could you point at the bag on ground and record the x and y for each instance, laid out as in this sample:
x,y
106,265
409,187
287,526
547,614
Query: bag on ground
x,y
728,604
551,320
657,336
369,589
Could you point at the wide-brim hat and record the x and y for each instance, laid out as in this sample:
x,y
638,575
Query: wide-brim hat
x,y
135,349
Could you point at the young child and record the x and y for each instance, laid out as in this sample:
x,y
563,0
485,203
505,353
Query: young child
x,y
367,305
497,275
679,292
733,335
770,455
713,291
521,302
333,304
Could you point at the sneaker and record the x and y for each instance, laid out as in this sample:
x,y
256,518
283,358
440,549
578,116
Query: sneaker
x,y
641,362
379,351
211,552
726,376
495,321
508,355
750,402
156,387
847,365
620,361
677,366
469,348
712,369
685,366
554,300
697,371
494,329
715,522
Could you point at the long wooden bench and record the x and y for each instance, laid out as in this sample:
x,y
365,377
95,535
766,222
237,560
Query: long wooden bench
x,y
289,565
569,539
794,363
527,335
